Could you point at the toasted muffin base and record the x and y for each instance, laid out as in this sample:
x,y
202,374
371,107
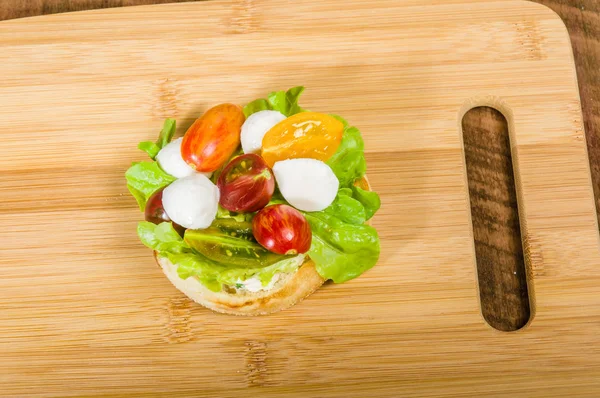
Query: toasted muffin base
x,y
287,291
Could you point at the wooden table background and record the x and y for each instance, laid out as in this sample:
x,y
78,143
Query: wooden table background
x,y
496,228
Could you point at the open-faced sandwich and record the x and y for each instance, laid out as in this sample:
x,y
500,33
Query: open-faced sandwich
x,y
255,207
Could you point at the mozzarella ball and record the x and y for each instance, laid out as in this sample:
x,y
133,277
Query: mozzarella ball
x,y
307,184
255,128
170,160
191,201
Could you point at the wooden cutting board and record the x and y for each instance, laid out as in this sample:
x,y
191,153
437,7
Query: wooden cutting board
x,y
85,311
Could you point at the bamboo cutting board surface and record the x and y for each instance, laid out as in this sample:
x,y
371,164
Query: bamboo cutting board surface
x,y
85,311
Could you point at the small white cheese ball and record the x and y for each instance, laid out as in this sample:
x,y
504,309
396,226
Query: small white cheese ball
x,y
308,184
170,160
191,201
255,128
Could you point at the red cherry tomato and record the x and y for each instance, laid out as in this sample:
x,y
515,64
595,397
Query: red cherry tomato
x,y
213,138
156,214
282,229
246,184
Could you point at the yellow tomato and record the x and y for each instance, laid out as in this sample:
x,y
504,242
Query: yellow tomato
x,y
303,135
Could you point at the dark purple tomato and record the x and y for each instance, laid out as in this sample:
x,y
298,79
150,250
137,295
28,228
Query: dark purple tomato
x,y
246,184
156,214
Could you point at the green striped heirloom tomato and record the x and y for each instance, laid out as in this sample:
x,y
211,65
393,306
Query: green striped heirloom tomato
x,y
226,249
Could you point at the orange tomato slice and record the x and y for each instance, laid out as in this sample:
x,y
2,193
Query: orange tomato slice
x,y
303,135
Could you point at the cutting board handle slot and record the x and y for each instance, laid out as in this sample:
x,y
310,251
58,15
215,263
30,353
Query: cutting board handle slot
x,y
494,208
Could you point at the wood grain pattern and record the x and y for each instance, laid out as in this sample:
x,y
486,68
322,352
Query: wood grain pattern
x,y
84,309
495,217
582,18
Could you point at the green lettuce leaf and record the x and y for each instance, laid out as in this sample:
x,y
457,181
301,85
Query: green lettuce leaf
x,y
150,148
194,265
348,162
145,178
164,239
341,251
285,102
161,237
369,199
167,133
288,265
257,105
346,208
231,276
165,136
214,275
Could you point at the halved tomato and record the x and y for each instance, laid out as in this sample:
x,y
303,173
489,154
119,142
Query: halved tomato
x,y
246,184
303,135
